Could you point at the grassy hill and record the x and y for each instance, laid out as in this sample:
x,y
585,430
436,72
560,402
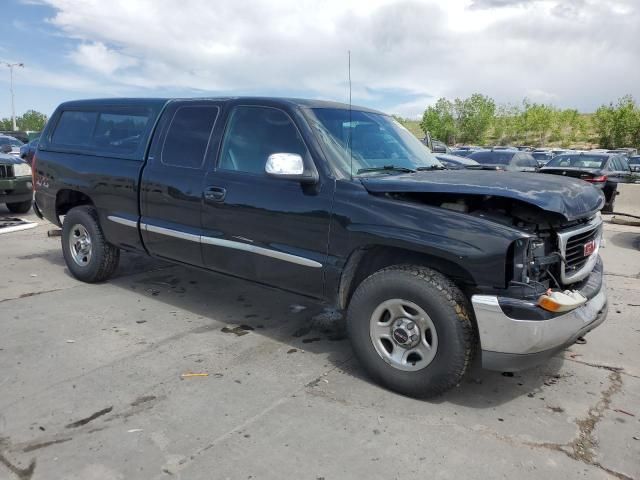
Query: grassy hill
x,y
587,140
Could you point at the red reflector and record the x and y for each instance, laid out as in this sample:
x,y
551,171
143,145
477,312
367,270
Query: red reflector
x,y
600,179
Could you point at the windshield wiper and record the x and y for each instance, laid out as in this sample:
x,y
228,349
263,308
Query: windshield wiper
x,y
431,167
385,168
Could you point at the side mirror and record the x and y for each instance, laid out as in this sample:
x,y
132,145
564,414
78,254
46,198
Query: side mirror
x,y
6,148
289,166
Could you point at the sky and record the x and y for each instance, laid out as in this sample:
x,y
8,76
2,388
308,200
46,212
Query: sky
x,y
404,54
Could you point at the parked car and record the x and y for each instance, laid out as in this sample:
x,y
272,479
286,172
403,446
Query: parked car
x,y
503,147
509,160
13,142
454,162
634,163
628,151
336,203
20,135
542,157
603,170
15,183
465,151
440,147
28,150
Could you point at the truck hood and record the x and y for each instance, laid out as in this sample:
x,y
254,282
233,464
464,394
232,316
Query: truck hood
x,y
10,159
571,198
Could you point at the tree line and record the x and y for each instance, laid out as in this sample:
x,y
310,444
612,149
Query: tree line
x,y
31,120
479,120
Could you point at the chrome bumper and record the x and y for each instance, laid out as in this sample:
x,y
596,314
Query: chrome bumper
x,y
510,344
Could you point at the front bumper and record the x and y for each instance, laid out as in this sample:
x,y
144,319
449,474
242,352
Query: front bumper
x,y
17,189
512,344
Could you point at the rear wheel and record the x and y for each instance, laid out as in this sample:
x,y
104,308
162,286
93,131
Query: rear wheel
x,y
411,329
19,207
610,195
88,255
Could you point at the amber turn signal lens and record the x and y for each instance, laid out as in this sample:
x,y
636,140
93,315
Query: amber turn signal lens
x,y
549,304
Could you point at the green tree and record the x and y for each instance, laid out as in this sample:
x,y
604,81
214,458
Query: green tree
x,y
506,124
474,117
618,125
538,121
31,120
438,119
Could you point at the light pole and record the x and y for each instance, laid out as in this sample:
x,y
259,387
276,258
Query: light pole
x,y
13,107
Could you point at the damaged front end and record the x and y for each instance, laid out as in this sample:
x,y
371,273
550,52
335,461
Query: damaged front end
x,y
552,254
547,264
553,289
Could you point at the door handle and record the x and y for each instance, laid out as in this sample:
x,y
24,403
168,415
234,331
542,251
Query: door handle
x,y
215,194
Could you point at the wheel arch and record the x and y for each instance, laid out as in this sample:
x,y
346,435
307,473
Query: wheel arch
x,y
365,261
67,198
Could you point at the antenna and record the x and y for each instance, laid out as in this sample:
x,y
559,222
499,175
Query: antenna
x,y
350,126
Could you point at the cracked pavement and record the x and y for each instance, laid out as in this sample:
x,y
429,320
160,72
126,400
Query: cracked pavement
x,y
92,385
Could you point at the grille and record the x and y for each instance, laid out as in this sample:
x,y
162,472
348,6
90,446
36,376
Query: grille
x,y
6,171
574,251
572,242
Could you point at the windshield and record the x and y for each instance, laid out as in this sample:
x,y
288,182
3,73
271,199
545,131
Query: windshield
x,y
377,141
578,161
14,142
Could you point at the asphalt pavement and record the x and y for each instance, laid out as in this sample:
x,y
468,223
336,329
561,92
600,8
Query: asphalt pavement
x,y
169,372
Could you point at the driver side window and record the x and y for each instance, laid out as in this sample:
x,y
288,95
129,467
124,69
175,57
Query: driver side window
x,y
254,133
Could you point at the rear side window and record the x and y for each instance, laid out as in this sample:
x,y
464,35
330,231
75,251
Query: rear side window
x,y
624,164
119,133
614,164
188,136
113,131
75,128
527,160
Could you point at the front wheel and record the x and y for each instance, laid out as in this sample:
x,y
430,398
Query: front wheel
x,y
19,207
411,329
88,255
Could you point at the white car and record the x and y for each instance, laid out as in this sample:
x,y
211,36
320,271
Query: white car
x,y
14,143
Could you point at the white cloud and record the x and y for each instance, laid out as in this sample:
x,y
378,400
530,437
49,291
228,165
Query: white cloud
x,y
418,49
96,56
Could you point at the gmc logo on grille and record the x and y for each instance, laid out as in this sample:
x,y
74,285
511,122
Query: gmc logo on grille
x,y
589,248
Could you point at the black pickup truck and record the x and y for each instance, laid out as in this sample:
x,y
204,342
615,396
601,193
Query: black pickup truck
x,y
340,204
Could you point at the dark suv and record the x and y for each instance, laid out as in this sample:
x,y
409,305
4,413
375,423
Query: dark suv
x,y
341,204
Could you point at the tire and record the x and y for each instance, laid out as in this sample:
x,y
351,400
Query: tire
x,y
19,207
97,262
448,328
609,205
610,197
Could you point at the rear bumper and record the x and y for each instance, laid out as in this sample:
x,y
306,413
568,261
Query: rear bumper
x,y
512,344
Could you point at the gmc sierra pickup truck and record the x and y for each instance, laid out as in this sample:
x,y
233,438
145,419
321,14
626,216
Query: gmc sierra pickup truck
x,y
340,204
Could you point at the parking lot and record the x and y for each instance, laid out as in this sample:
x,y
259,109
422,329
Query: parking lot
x,y
95,385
